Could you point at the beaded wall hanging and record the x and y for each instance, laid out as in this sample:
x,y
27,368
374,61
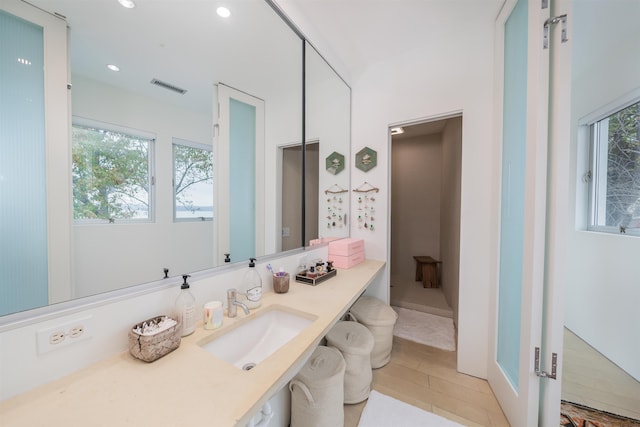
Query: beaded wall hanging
x,y
366,206
336,207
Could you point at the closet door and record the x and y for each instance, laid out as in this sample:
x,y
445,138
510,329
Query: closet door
x,y
518,314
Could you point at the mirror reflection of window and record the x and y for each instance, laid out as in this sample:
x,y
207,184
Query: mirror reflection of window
x,y
192,181
111,171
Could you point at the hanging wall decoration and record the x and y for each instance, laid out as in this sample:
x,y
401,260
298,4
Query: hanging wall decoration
x,y
335,163
366,159
336,206
366,203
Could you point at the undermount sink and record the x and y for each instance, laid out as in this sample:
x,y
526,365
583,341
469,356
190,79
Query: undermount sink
x,y
252,340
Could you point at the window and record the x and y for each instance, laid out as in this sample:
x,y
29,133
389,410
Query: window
x,y
192,181
615,172
111,171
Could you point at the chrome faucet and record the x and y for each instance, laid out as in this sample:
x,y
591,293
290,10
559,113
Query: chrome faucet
x,y
233,303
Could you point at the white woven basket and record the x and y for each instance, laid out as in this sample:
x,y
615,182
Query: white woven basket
x,y
153,347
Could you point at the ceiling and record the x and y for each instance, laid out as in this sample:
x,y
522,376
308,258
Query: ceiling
x,y
364,32
181,42
421,129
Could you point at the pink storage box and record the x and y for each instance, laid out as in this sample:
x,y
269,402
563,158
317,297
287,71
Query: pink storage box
x,y
344,261
346,247
345,253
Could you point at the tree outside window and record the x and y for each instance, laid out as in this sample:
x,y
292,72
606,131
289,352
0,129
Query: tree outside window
x,y
617,170
193,181
111,175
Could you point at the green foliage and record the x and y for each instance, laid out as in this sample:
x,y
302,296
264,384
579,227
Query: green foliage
x,y
110,172
623,167
192,167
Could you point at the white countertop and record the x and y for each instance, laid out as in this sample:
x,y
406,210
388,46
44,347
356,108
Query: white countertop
x,y
189,386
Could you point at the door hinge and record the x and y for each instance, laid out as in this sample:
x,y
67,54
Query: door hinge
x,y
552,21
554,365
545,4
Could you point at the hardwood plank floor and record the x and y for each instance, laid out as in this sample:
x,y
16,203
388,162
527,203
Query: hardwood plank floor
x,y
426,377
592,380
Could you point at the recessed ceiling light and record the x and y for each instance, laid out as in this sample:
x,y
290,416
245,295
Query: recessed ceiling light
x,y
129,4
397,131
223,12
113,67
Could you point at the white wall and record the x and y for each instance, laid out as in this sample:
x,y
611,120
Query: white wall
x,y
603,282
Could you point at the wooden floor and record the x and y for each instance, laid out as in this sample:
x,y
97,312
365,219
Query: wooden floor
x,y
592,380
426,377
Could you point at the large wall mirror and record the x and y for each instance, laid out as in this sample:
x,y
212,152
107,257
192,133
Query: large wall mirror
x,y
328,136
189,89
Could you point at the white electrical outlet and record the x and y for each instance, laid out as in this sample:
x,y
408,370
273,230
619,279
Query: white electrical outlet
x,y
64,334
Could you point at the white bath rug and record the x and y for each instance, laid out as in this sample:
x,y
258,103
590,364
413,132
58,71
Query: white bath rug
x,y
385,411
425,328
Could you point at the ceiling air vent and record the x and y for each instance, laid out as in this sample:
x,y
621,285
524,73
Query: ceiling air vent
x,y
168,86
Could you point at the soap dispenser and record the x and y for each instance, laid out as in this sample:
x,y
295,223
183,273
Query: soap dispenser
x,y
251,286
186,308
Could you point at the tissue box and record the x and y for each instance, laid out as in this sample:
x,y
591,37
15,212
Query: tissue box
x,y
151,347
345,253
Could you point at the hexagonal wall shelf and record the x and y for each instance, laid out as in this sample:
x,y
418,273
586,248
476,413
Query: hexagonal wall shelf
x,y
366,159
335,163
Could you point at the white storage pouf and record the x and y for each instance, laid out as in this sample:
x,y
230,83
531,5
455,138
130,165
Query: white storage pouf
x,y
380,319
317,391
355,342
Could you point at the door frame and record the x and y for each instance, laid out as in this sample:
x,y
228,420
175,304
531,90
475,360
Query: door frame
x,y
435,118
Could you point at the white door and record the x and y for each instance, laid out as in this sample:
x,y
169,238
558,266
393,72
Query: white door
x,y
240,182
518,317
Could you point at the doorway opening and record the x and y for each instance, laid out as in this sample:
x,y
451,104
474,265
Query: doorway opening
x,y
426,162
291,234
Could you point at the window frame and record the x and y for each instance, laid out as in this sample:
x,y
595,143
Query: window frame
x,y
191,144
596,125
137,133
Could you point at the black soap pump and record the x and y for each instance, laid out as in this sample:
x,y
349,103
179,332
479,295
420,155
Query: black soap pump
x,y
186,308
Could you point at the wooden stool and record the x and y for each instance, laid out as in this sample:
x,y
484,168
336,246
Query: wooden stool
x,y
427,271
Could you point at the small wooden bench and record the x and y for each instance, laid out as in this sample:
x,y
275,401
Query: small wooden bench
x,y
427,271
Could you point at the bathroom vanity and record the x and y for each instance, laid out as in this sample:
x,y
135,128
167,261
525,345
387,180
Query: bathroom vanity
x,y
190,386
